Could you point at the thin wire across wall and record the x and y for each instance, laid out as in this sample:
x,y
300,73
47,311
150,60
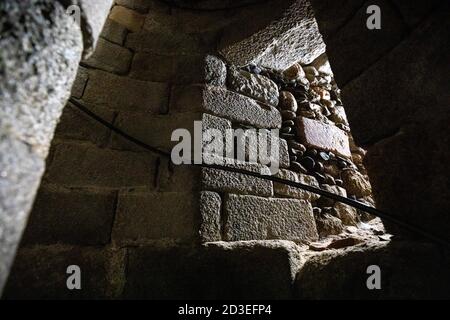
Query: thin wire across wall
x,y
348,201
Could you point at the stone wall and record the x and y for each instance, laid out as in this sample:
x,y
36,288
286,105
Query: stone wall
x,y
396,99
139,227
101,197
100,194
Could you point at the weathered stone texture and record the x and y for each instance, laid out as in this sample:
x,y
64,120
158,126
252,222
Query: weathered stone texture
x,y
144,217
224,103
347,214
80,83
257,147
316,134
240,270
182,178
327,202
175,44
285,190
275,34
210,212
255,86
93,16
224,181
257,218
153,130
355,183
328,225
71,216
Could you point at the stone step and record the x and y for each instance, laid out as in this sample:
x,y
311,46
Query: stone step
x,y
217,270
274,269
407,270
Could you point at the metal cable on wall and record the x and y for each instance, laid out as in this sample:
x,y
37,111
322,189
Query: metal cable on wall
x,y
348,201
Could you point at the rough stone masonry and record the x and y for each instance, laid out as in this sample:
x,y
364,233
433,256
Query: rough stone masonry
x,y
36,74
168,232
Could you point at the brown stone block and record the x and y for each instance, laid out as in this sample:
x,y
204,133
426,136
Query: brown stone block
x,y
145,217
257,218
77,164
408,271
130,19
293,192
319,135
210,212
75,124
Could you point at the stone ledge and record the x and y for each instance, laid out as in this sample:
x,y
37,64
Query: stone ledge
x,y
218,270
408,271
130,19
138,5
